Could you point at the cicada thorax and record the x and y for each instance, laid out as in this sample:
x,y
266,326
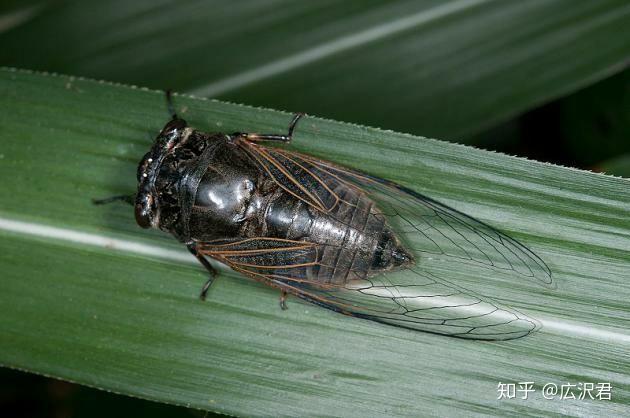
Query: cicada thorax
x,y
233,198
230,196
171,185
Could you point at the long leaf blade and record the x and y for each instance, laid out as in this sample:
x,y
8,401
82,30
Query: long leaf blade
x,y
85,299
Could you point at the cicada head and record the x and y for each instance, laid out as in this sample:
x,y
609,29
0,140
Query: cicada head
x,y
151,170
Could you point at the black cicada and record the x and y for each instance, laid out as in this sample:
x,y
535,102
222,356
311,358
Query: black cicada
x,y
336,237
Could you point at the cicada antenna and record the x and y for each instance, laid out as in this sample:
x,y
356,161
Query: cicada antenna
x,y
127,198
169,104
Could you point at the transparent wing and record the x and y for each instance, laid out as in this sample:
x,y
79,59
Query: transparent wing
x,y
433,228
415,297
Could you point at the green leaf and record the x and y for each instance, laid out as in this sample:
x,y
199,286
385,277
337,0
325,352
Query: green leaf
x,y
89,297
440,68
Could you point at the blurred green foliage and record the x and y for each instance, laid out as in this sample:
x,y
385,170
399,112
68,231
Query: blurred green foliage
x,y
588,129
442,69
595,122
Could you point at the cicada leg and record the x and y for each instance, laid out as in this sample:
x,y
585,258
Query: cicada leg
x,y
271,137
283,300
213,273
169,104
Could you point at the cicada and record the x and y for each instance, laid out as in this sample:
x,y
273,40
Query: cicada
x,y
336,237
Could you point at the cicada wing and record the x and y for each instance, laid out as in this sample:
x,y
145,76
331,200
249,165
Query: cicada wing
x,y
408,298
427,226
415,297
267,255
420,300
291,175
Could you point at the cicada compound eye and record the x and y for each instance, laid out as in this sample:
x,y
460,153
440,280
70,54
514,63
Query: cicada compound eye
x,y
144,210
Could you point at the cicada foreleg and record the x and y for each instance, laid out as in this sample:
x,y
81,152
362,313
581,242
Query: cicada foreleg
x,y
254,137
213,273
